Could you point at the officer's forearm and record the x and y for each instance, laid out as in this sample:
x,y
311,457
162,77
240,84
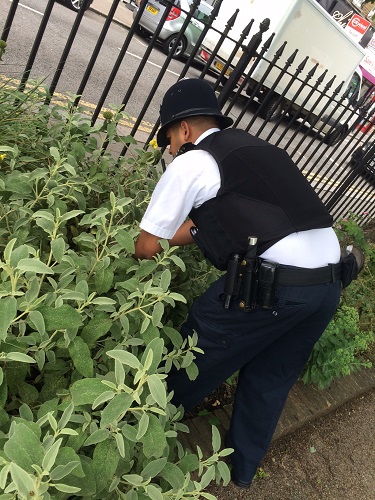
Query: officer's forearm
x,y
148,244
182,236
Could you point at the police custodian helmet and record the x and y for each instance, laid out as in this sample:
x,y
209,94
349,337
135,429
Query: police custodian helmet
x,y
189,97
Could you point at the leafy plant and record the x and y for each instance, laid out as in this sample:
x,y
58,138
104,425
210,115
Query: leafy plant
x,y
88,334
357,294
2,48
341,348
350,232
337,352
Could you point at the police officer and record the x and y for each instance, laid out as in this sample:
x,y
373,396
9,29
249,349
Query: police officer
x,y
224,189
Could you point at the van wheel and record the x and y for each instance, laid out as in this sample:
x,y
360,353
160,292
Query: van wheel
x,y
179,50
271,109
336,136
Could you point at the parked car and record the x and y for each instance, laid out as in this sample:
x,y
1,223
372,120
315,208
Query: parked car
x,y
363,158
153,13
75,4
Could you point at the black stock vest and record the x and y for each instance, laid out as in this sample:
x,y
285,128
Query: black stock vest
x,y
262,194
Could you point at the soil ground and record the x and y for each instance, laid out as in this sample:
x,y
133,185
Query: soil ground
x,y
332,458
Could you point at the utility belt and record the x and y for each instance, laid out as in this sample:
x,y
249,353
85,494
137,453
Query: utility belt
x,y
253,280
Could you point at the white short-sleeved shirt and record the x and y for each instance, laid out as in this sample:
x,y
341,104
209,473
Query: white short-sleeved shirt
x,y
193,178
190,180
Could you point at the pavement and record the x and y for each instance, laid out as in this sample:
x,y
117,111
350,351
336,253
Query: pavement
x,y
123,14
305,404
330,458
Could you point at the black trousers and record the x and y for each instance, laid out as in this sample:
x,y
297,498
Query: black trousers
x,y
269,347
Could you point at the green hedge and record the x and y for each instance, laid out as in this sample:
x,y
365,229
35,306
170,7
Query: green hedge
x,y
88,334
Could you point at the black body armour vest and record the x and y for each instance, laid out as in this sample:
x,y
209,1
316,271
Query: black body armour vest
x,y
262,194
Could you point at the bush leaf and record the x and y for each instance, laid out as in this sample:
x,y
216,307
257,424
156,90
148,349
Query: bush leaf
x,y
125,240
60,318
126,358
104,280
24,448
86,391
96,328
58,249
63,470
25,484
115,408
34,265
154,468
20,356
157,313
8,312
174,475
97,437
157,390
81,357
50,456
154,440
105,461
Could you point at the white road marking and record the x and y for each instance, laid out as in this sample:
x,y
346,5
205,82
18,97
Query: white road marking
x,y
150,62
29,8
130,53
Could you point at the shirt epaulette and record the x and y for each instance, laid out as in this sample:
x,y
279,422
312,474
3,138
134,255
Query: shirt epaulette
x,y
188,146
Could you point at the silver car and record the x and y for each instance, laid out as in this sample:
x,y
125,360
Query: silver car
x,y
153,13
76,4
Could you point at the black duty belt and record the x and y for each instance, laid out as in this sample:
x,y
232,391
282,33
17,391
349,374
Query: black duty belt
x,y
289,275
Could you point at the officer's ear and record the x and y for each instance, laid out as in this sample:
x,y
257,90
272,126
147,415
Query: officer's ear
x,y
185,127
186,131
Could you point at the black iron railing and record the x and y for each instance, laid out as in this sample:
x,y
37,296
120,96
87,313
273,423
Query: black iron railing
x,y
320,126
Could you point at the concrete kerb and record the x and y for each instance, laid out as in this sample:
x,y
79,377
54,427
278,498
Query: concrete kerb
x,y
305,404
123,15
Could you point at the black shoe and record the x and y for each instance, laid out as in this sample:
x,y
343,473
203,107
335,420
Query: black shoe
x,y
238,482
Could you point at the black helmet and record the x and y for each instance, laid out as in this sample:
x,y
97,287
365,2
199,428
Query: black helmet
x,y
189,97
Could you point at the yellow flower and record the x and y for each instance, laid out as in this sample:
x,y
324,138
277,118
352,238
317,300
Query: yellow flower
x,y
2,157
154,144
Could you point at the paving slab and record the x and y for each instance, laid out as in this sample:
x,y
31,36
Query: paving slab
x,y
122,16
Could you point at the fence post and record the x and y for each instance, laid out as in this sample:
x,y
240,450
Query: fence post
x,y
9,20
249,52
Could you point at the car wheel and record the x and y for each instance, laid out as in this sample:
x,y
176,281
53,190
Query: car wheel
x,y
271,109
142,32
223,80
336,136
169,43
76,4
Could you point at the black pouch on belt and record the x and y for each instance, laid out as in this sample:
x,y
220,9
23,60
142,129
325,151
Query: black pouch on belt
x,y
267,284
352,264
349,270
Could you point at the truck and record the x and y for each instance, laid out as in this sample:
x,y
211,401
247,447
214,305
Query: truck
x,y
305,26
